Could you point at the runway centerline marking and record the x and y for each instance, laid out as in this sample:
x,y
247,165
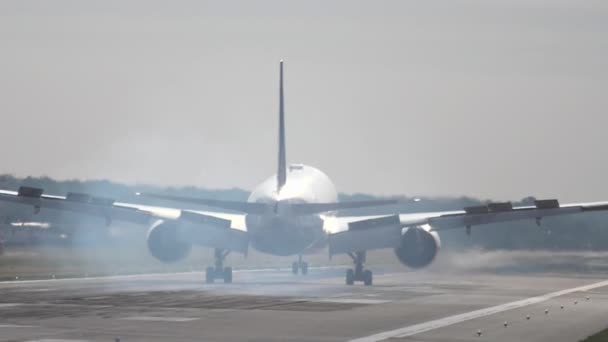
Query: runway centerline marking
x,y
446,321
149,275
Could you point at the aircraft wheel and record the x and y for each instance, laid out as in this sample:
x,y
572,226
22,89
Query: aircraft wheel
x,y
350,276
209,275
228,275
294,268
368,278
304,268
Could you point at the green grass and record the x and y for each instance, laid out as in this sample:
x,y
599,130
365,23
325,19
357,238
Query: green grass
x,y
601,336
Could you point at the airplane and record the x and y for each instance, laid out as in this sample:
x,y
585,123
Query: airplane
x,y
292,213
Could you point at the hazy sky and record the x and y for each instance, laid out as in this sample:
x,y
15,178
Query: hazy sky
x,y
497,99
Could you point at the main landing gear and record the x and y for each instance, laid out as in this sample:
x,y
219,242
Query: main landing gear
x,y
358,274
219,271
299,266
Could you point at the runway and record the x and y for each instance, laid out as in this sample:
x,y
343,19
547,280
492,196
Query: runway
x,y
274,305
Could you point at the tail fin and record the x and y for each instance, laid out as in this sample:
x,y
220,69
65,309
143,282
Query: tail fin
x,y
282,167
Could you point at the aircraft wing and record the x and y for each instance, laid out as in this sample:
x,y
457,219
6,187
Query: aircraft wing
x,y
74,202
105,207
211,229
263,208
351,234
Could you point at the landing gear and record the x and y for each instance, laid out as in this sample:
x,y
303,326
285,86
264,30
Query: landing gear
x,y
299,266
219,271
359,274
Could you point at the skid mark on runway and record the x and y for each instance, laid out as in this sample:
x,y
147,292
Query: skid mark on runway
x,y
204,300
443,322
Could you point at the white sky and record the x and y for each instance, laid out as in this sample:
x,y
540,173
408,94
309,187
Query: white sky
x,y
496,99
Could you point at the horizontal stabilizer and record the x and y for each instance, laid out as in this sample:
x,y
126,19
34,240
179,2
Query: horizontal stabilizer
x,y
262,208
317,208
208,220
375,222
244,207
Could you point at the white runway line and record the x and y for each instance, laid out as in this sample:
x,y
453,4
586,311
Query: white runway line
x,y
444,322
148,275
160,319
57,340
348,300
17,326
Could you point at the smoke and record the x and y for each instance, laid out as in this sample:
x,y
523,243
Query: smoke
x,y
508,261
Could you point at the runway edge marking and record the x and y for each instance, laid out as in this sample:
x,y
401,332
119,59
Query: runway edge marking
x,y
147,275
446,321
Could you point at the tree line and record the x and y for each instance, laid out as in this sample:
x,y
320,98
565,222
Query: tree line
x,y
588,231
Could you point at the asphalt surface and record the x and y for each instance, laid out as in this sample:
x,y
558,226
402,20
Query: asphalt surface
x,y
274,305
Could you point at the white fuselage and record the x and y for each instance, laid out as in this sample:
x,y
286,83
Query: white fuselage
x,y
279,231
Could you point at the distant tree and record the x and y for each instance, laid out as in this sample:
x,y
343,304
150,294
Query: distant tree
x,y
584,231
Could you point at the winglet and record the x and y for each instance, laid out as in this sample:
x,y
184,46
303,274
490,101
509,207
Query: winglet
x,y
282,162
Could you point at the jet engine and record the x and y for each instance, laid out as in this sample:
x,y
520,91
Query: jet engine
x,y
164,243
418,247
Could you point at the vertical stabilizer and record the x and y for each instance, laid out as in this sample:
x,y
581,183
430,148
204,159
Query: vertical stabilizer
x,y
282,167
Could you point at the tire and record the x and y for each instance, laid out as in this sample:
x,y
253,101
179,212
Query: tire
x,y
368,278
304,268
294,268
209,275
228,275
350,276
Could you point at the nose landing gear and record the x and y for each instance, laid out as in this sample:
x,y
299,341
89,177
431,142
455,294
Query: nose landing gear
x,y
299,266
359,274
219,271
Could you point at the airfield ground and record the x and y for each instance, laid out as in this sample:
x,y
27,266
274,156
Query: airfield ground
x,y
463,297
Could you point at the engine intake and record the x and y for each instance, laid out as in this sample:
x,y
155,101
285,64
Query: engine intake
x,y
418,247
164,243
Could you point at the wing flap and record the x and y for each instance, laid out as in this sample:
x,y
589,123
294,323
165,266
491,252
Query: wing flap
x,y
245,207
473,216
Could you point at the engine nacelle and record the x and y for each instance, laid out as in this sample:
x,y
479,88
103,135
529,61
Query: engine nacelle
x,y
418,248
164,243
